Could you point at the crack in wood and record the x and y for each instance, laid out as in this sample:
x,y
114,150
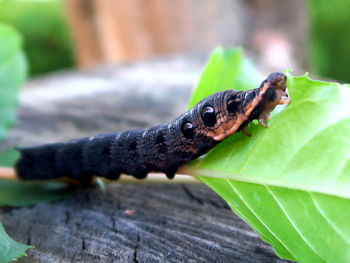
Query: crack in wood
x,y
67,219
28,237
136,248
204,201
192,196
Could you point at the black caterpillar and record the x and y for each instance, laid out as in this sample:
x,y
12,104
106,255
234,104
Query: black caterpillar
x,y
162,148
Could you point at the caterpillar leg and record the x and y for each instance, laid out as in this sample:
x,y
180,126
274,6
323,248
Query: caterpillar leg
x,y
140,175
170,174
262,122
262,118
245,131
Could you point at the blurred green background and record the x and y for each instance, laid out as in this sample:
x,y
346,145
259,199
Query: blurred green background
x,y
48,47
329,38
46,38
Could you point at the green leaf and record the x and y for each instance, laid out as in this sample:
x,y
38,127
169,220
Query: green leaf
x,y
25,193
8,157
12,75
17,193
290,181
10,249
226,69
10,43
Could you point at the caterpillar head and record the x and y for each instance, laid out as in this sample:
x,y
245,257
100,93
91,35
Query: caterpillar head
x,y
226,112
276,90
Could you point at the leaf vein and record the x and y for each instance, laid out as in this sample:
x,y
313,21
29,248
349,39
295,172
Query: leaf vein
x,y
283,170
331,224
292,222
261,221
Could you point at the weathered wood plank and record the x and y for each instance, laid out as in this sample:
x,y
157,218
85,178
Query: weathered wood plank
x,y
169,223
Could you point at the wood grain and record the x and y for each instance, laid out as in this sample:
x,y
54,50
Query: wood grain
x,y
169,223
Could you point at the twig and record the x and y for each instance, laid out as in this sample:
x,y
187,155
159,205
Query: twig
x,y
8,173
184,174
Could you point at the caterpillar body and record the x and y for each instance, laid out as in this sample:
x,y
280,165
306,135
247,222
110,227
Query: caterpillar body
x,y
162,148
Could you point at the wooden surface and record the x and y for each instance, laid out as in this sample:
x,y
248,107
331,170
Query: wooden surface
x,y
137,223
131,222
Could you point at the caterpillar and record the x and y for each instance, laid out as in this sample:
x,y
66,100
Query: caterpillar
x,y
162,148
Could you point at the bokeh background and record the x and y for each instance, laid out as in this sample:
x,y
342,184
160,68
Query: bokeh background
x,y
309,35
100,66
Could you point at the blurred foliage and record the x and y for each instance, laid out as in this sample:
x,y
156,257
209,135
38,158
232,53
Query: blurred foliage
x,y
44,31
330,38
12,75
13,69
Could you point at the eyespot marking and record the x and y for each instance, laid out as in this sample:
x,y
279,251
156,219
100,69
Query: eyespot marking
x,y
208,116
249,97
233,105
187,130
